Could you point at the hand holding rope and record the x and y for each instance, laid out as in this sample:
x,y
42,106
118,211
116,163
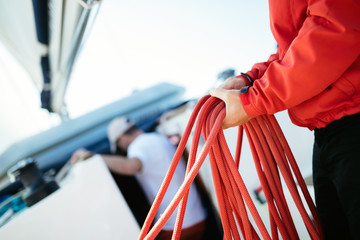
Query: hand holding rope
x,y
272,158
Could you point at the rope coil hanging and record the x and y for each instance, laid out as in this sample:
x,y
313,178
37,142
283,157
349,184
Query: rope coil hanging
x,y
273,159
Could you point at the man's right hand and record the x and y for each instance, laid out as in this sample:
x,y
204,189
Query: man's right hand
x,y
233,83
235,113
80,155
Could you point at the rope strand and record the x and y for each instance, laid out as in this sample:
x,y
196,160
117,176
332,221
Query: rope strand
x,y
272,158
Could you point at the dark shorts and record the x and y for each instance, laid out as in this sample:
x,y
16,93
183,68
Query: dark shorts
x,y
336,173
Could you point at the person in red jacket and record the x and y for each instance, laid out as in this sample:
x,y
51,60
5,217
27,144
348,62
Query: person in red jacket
x,y
315,74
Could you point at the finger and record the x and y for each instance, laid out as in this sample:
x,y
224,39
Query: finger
x,y
218,92
221,94
73,160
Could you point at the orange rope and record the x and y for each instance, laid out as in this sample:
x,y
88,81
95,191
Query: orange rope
x,y
272,158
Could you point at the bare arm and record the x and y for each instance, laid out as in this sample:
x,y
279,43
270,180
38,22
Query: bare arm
x,y
116,163
122,165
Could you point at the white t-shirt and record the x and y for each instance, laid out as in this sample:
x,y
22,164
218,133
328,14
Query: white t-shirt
x,y
156,153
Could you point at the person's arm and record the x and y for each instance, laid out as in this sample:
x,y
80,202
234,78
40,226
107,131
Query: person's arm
x,y
80,155
325,47
122,165
258,70
116,163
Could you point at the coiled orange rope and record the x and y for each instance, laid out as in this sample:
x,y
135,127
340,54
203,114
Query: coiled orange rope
x,y
272,157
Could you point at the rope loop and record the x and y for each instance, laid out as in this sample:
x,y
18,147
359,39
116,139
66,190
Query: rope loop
x,y
273,161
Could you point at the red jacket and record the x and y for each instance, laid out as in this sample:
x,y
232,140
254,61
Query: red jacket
x,y
316,70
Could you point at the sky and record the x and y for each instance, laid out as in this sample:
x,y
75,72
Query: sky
x,y
136,44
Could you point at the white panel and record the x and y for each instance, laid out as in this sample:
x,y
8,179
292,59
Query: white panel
x,y
88,205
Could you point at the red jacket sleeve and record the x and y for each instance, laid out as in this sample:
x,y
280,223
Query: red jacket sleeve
x,y
258,70
326,45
